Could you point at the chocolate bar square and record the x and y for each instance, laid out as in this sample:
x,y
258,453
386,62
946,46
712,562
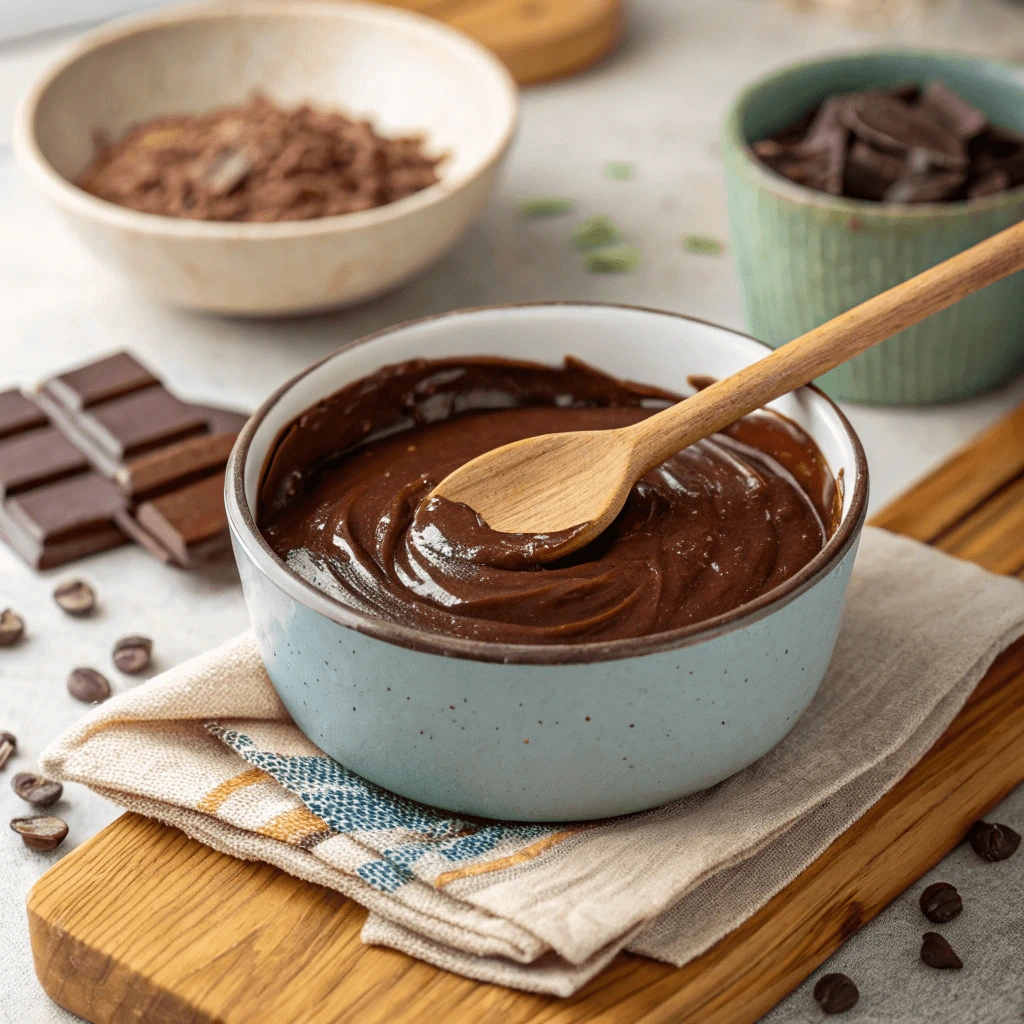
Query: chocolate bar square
x,y
18,413
59,522
117,375
190,522
37,457
135,423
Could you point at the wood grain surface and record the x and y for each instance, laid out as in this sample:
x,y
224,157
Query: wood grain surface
x,y
142,923
536,39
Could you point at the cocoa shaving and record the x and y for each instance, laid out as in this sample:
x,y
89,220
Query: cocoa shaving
x,y
258,162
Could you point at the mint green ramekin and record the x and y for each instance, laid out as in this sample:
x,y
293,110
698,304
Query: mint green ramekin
x,y
804,257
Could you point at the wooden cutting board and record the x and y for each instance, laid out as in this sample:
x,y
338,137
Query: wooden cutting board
x,y
537,39
142,923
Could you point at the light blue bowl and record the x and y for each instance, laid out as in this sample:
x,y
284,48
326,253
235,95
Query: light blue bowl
x,y
546,733
804,257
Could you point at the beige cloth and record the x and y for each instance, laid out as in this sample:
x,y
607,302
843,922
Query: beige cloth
x,y
209,748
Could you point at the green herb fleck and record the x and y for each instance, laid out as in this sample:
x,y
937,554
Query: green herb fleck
x,y
618,170
546,206
703,245
595,231
614,259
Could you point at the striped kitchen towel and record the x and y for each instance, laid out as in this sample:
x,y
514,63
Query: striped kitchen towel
x,y
208,747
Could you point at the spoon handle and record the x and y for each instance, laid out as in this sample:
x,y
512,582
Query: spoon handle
x,y
826,347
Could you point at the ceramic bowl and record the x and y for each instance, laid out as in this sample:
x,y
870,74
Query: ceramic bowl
x,y
404,72
804,257
612,727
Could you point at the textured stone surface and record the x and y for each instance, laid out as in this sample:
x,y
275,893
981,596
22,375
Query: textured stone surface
x,y
657,104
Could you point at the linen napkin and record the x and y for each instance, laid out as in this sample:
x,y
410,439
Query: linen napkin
x,y
208,747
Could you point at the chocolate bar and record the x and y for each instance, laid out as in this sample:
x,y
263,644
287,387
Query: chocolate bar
x,y
98,446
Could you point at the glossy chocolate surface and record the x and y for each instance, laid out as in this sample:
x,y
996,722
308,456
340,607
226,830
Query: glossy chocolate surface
x,y
719,524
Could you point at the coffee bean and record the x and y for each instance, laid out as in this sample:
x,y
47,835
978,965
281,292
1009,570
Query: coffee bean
x,y
937,952
836,993
76,597
941,902
88,685
12,626
8,745
993,842
36,790
132,654
42,833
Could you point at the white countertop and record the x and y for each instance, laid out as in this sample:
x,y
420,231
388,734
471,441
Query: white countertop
x,y
656,104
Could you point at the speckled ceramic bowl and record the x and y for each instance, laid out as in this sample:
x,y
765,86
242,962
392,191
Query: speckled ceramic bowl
x,y
405,72
557,732
804,257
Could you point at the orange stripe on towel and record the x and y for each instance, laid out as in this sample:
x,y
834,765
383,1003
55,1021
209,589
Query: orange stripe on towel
x,y
213,800
298,827
528,853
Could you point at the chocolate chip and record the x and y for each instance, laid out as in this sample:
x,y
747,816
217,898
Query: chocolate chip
x,y
88,685
41,833
12,626
941,902
36,790
132,654
76,597
836,993
937,952
8,745
993,842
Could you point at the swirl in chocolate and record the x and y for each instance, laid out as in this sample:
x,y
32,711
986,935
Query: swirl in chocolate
x,y
343,502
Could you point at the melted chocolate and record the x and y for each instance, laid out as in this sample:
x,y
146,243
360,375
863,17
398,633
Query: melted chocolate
x,y
342,501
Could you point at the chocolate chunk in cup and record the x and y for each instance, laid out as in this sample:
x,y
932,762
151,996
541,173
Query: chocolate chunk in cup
x,y
132,654
12,627
36,790
88,685
41,833
8,745
941,902
836,993
992,841
76,597
938,953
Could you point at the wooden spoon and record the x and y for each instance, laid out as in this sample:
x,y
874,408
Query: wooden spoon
x,y
561,482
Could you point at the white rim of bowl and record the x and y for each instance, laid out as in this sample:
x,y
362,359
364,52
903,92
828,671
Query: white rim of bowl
x,y
47,177
246,533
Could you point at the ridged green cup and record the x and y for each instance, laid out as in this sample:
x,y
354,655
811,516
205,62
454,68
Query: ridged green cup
x,y
804,257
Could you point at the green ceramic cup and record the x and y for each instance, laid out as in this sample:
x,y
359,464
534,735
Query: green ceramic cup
x,y
804,257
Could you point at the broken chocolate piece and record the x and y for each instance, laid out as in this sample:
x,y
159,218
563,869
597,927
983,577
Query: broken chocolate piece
x,y
870,173
996,180
18,413
141,421
884,122
37,457
100,381
191,522
954,111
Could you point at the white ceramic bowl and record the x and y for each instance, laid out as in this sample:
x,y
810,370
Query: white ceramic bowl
x,y
405,72
612,727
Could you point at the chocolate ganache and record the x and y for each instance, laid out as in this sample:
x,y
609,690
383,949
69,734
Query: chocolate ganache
x,y
342,501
